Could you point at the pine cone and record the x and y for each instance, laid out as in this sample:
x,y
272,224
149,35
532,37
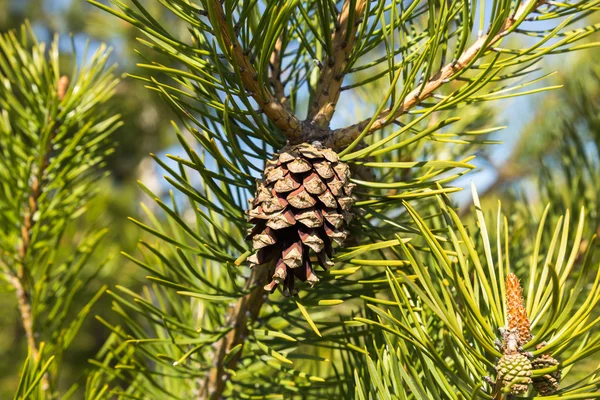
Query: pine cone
x,y
515,306
515,369
546,384
302,203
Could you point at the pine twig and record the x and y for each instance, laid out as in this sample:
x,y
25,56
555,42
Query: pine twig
x,y
286,121
21,281
275,73
332,75
246,309
344,136
24,304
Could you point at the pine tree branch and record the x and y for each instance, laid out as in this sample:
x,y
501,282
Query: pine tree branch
x,y
247,308
344,136
22,281
275,72
285,120
332,75
24,304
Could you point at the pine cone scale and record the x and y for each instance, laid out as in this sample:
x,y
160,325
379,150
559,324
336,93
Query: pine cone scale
x,y
301,199
311,238
264,239
324,169
334,218
286,184
281,220
313,184
335,186
299,166
292,254
275,174
310,218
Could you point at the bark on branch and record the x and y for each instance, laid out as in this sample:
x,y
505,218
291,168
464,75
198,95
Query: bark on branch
x,y
331,76
22,281
345,136
286,121
246,309
275,72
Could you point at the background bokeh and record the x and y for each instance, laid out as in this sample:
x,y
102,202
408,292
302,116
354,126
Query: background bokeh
x,y
507,170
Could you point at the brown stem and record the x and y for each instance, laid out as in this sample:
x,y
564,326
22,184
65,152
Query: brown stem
x,y
285,120
25,311
275,72
246,309
344,136
21,281
332,74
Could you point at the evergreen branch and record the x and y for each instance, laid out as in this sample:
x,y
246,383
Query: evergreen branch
x,y
473,287
24,304
52,139
332,73
21,281
273,109
246,309
345,136
32,374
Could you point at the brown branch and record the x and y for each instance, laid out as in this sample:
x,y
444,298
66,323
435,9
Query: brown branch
x,y
21,281
275,72
331,76
246,309
25,311
286,121
344,136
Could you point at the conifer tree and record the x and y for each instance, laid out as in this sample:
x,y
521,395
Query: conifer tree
x,y
240,78
329,135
